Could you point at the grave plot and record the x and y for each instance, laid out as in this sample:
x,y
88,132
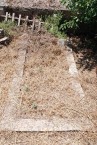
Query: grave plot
x,y
47,90
41,96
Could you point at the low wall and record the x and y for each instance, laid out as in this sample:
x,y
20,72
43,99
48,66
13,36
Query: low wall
x,y
34,11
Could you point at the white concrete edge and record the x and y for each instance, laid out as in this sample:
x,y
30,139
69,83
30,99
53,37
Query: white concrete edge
x,y
46,125
14,89
72,68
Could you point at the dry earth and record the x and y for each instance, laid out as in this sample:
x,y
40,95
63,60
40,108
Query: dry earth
x,y
46,92
48,138
88,78
35,3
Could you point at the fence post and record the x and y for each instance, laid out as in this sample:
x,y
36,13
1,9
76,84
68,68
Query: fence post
x,y
6,17
33,24
19,20
26,21
13,17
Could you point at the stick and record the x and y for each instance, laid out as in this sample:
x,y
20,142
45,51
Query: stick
x,y
3,39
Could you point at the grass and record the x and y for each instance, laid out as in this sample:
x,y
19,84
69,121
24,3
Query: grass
x,y
8,27
34,106
27,88
52,25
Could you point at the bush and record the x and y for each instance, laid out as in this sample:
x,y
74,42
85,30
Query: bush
x,y
52,24
8,27
84,13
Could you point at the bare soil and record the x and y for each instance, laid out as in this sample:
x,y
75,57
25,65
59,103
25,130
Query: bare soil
x,y
88,82
48,138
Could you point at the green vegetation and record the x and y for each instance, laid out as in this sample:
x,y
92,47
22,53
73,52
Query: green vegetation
x,y
52,24
84,13
8,27
82,19
27,89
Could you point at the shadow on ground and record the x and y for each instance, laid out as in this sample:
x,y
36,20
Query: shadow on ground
x,y
86,51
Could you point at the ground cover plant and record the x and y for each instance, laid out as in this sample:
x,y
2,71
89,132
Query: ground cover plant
x,y
53,23
8,27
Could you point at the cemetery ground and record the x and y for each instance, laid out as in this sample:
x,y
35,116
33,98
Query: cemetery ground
x,y
45,97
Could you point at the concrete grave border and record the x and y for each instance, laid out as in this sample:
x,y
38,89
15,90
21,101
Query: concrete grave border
x,y
72,68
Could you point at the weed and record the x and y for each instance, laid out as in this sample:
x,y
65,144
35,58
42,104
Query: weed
x,y
52,24
27,88
40,70
34,106
8,27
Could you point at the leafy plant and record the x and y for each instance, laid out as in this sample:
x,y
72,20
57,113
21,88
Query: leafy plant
x,y
27,88
83,12
52,24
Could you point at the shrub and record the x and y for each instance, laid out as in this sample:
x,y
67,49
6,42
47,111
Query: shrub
x,y
8,27
52,24
84,12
